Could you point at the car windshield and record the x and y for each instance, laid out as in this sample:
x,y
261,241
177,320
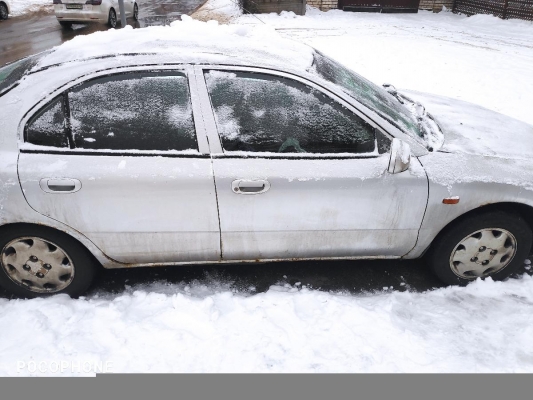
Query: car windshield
x,y
368,94
11,74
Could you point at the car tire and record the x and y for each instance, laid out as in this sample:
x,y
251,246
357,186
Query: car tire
x,y
112,18
66,24
3,11
37,261
136,12
491,244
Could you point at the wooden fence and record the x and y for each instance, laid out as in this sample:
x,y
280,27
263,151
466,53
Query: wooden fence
x,y
506,9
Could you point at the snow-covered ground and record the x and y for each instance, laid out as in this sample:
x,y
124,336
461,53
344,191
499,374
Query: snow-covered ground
x,y
480,59
19,7
208,327
205,327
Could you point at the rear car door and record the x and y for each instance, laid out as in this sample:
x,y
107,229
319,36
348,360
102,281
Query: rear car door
x,y
300,174
118,158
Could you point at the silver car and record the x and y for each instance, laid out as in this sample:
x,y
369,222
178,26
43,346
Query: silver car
x,y
188,155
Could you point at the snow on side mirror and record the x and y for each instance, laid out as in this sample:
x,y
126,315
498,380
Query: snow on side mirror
x,y
400,156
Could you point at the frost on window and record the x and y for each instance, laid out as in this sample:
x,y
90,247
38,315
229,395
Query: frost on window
x,y
367,93
47,128
142,111
263,113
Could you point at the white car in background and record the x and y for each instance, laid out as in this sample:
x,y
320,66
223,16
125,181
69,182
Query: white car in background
x,y
80,11
5,9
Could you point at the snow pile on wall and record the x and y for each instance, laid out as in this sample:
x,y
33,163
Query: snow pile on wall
x,y
223,11
205,327
19,7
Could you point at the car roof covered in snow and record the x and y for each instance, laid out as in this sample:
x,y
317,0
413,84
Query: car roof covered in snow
x,y
187,41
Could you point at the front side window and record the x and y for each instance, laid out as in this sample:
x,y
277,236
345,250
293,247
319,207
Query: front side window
x,y
133,111
47,127
258,112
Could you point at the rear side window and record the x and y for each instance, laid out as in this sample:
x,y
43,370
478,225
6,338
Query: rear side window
x,y
47,127
11,74
141,111
264,113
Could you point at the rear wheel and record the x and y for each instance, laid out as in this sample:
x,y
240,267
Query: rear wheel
x,y
136,12
3,11
493,244
36,261
66,24
112,19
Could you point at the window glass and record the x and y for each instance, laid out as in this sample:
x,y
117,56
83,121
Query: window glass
x,y
11,74
264,113
142,111
367,93
47,127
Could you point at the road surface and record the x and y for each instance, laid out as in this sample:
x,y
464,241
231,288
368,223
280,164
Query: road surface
x,y
39,31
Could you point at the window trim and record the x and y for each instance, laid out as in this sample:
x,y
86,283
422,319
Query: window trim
x,y
186,69
214,135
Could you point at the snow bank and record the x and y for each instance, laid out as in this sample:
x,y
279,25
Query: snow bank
x,y
223,11
19,7
206,327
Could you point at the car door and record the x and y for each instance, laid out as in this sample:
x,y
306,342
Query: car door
x,y
118,159
302,175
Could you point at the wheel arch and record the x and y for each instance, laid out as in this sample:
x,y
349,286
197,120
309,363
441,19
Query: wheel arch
x,y
94,251
523,210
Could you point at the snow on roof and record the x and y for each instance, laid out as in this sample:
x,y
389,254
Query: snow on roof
x,y
189,41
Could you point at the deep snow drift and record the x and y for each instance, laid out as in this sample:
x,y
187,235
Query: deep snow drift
x,y
205,327
19,7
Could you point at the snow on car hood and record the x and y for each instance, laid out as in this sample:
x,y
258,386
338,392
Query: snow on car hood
x,y
472,129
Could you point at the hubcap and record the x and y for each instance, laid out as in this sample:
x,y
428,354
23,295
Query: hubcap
x,y
483,253
37,264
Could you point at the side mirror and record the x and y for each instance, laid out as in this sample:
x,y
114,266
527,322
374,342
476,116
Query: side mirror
x,y
400,156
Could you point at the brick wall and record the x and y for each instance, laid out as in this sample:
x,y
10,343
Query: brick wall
x,y
435,5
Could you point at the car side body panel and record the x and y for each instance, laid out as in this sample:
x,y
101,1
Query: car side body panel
x,y
477,181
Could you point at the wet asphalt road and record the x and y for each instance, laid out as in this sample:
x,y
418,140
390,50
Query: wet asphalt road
x,y
32,33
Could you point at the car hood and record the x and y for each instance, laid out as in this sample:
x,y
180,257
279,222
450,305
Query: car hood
x,y
472,129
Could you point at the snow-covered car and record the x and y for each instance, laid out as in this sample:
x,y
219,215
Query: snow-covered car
x,y
5,9
104,11
184,145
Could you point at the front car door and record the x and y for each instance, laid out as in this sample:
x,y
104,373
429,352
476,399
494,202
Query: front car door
x,y
118,158
301,174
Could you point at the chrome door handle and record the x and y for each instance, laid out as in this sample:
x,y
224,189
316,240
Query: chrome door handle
x,y
60,185
243,186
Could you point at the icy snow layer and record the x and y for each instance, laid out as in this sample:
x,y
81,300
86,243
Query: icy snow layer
x,y
480,59
484,327
19,7
189,41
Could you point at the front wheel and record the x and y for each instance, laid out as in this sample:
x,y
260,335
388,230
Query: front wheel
x,y
492,244
36,261
3,11
112,19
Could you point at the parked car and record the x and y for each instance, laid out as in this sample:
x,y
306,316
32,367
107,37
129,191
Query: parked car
x,y
197,151
81,11
5,9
